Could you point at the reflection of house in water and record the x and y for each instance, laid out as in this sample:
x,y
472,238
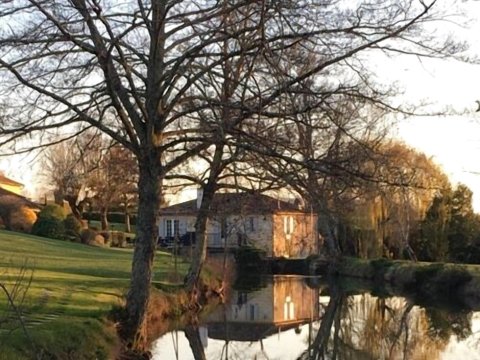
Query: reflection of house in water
x,y
286,303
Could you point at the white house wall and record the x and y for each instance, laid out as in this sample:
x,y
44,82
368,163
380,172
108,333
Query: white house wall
x,y
186,223
239,229
292,235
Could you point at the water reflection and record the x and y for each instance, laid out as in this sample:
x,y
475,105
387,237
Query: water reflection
x,y
297,318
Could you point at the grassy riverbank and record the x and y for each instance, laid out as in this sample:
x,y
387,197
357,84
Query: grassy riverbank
x,y
455,284
71,291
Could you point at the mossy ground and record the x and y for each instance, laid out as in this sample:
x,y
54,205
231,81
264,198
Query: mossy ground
x,y
73,287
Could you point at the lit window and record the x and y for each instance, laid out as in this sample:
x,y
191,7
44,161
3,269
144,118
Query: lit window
x,y
288,224
251,224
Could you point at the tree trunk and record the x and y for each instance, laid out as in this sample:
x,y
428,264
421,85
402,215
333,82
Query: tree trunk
x,y
193,336
326,227
128,227
58,197
134,327
201,242
320,343
325,222
209,190
104,217
72,202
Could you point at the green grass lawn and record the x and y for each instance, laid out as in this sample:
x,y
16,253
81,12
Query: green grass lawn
x,y
72,289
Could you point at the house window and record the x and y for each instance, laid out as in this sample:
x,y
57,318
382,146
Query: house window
x,y
288,224
251,224
253,312
223,228
172,228
288,309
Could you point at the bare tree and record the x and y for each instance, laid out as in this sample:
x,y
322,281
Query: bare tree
x,y
114,182
70,166
132,70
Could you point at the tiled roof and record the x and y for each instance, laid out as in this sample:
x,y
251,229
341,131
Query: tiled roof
x,y
235,203
5,180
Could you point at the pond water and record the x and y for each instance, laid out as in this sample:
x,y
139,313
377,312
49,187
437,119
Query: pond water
x,y
291,317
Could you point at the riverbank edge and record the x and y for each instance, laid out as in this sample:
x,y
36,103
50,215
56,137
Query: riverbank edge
x,y
99,338
172,304
457,284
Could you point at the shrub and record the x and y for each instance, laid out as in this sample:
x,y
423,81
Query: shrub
x,y
250,255
22,219
122,241
49,227
98,241
249,259
106,237
91,237
15,214
73,227
53,211
118,239
50,222
87,236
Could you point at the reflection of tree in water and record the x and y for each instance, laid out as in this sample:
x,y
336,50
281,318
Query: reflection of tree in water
x,y
356,327
231,350
192,334
365,327
444,323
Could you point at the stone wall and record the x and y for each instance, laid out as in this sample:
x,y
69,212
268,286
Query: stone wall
x,y
252,230
295,235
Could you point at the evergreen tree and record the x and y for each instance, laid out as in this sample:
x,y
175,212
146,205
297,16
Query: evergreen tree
x,y
450,230
431,242
464,225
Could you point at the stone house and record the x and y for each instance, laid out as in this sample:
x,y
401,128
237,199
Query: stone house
x,y
239,219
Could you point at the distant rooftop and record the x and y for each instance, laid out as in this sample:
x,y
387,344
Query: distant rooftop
x,y
22,199
235,203
7,181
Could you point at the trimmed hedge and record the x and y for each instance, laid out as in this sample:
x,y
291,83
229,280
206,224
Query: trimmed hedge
x,y
114,217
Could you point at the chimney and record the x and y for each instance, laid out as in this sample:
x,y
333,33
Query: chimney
x,y
199,197
299,203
